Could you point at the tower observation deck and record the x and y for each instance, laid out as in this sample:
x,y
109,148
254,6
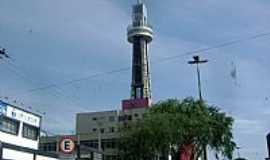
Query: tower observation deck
x,y
140,34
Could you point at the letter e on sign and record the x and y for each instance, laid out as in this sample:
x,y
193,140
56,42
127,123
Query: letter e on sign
x,y
67,145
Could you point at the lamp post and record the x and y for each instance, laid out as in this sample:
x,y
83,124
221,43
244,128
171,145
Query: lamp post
x,y
197,61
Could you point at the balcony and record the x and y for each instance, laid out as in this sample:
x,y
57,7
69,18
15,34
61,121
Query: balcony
x,y
145,31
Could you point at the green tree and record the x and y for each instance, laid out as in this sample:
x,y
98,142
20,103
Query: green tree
x,y
178,126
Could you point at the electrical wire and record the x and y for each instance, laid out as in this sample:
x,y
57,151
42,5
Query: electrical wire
x,y
221,45
17,70
79,79
58,91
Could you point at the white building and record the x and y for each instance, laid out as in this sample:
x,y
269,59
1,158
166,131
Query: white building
x,y
19,134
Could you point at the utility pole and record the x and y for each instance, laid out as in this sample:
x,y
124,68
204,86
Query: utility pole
x,y
197,61
78,147
99,123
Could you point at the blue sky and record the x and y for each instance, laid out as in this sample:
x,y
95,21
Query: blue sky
x,y
55,41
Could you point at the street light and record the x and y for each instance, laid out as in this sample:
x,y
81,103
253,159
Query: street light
x,y
197,61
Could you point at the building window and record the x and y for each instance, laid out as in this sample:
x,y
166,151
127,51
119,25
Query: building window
x,y
94,129
52,147
102,130
112,129
30,132
9,125
13,114
91,143
121,118
111,119
129,117
94,118
136,115
48,147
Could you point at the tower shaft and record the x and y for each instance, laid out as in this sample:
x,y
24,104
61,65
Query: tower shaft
x,y
140,87
140,34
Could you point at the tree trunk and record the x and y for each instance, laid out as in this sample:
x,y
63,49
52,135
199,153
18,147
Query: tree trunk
x,y
186,152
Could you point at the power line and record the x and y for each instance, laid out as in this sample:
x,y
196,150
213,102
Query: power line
x,y
60,91
23,75
221,45
80,79
18,72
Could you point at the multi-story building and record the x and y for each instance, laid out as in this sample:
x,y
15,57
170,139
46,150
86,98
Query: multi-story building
x,y
100,130
19,134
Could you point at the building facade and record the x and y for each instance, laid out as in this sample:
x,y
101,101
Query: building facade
x,y
19,134
100,130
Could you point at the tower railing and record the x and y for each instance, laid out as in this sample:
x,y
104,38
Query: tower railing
x,y
131,26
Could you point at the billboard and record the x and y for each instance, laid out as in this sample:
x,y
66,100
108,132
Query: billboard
x,y
19,114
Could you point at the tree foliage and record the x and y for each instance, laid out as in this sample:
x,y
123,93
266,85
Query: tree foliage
x,y
171,124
